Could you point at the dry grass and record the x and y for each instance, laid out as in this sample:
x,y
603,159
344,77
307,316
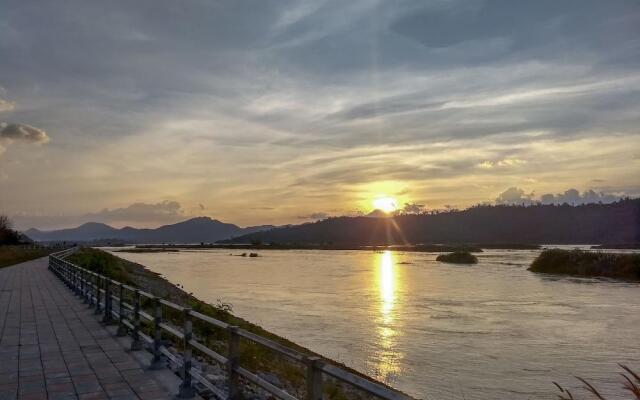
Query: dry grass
x,y
631,383
15,254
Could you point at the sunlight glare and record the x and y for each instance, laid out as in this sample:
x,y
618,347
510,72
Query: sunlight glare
x,y
386,204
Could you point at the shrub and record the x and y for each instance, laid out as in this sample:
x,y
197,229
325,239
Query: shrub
x,y
458,257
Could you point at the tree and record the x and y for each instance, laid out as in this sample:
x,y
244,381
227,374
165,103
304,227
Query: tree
x,y
7,234
5,223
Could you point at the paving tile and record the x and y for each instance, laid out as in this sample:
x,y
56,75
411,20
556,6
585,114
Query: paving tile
x,y
94,396
52,346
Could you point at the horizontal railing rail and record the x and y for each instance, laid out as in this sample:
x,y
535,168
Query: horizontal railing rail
x,y
97,290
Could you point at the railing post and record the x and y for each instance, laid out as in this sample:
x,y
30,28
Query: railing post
x,y
187,390
91,290
107,318
135,343
76,273
98,295
122,329
314,378
232,363
85,287
156,362
81,279
74,277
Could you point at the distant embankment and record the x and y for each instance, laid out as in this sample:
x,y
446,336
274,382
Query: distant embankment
x,y
565,224
587,263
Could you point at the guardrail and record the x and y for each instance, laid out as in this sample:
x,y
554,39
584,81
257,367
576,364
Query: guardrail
x,y
97,291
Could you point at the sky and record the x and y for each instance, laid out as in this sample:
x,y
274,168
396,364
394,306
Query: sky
x,y
272,112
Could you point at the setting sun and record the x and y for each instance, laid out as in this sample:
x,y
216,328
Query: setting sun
x,y
386,204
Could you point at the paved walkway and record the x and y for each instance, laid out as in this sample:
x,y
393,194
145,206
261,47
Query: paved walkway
x,y
52,346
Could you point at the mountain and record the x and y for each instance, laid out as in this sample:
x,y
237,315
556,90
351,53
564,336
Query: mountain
x,y
195,230
538,224
88,230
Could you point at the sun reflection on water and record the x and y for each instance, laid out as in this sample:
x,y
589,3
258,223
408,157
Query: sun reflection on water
x,y
387,358
387,286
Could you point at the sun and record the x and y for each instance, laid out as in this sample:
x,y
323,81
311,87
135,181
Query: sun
x,y
386,204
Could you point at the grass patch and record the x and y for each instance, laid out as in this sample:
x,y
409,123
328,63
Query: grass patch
x,y
15,254
587,263
458,257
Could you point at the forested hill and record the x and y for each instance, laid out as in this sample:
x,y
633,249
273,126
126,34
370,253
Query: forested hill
x,y
559,224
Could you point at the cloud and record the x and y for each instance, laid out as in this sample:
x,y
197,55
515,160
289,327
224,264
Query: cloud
x,y
507,162
314,216
515,195
22,132
6,105
140,212
18,132
573,196
412,208
10,133
137,214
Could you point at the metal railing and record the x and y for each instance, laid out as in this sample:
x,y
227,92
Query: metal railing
x,y
97,291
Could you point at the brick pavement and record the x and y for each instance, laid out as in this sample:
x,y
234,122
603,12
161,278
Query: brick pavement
x,y
52,346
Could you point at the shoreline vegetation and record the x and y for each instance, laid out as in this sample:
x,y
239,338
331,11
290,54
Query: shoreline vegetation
x,y
588,264
458,257
277,369
427,248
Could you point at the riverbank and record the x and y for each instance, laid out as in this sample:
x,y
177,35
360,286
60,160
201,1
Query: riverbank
x,y
278,370
588,264
15,254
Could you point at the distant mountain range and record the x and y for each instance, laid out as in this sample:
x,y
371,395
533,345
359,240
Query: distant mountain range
x,y
613,223
195,230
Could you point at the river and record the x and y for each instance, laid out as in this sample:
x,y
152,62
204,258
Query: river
x,y
488,331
